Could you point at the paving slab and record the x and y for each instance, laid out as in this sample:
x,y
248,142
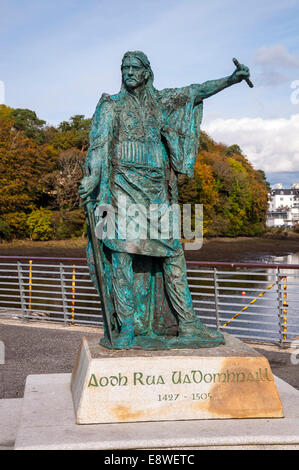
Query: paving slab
x,y
48,423
10,411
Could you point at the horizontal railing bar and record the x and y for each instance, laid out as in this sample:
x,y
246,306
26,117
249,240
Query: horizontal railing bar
x,y
256,338
35,291
10,283
209,325
81,287
287,283
240,320
57,265
235,312
53,272
258,330
202,294
25,267
205,317
234,273
46,285
35,304
247,273
85,294
76,307
246,314
200,271
49,279
204,309
42,258
246,297
242,288
34,297
243,306
61,312
100,323
242,265
245,281
201,286
4,290
248,289
84,301
189,263
92,315
42,317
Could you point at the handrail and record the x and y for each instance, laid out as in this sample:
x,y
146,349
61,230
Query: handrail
x,y
189,263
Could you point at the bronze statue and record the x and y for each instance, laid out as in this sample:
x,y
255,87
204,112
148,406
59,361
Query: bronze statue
x,y
140,139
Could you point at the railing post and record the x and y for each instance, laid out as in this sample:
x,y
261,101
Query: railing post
x,y
280,306
22,291
63,293
216,299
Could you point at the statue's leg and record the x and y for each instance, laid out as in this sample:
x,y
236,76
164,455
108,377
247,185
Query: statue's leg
x,y
175,275
124,301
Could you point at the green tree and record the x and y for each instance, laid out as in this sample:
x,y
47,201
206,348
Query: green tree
x,y
40,224
27,121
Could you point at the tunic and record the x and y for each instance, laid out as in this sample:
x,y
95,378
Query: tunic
x,y
140,147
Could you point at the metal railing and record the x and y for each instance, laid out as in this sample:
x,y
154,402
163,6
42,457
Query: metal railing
x,y
255,301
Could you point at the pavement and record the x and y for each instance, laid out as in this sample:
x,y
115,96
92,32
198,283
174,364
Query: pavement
x,y
37,348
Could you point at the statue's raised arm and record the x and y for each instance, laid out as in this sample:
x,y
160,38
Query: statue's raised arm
x,y
211,87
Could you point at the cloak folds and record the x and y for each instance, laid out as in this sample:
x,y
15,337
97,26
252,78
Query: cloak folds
x,y
167,125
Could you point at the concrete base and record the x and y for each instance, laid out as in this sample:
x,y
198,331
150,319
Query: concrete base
x,y
48,422
118,386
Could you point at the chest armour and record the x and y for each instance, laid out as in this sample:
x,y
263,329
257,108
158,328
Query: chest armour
x,y
138,136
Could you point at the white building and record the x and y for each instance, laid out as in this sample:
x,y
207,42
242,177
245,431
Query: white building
x,y
283,206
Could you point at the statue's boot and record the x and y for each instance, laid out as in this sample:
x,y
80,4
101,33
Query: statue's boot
x,y
125,339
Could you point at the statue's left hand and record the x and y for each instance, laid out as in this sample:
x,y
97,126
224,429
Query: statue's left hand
x,y
87,185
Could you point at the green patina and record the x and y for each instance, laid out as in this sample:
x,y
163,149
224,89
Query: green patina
x,y
140,140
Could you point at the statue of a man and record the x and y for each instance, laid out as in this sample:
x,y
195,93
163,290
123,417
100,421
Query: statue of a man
x,y
140,139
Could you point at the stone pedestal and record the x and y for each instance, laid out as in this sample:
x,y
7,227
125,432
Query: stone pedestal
x,y
117,386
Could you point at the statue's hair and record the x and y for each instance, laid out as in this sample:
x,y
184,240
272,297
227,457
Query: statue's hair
x,y
144,60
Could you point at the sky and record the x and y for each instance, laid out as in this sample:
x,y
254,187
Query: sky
x,y
58,57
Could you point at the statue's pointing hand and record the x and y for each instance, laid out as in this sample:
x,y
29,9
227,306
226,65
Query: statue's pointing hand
x,y
241,73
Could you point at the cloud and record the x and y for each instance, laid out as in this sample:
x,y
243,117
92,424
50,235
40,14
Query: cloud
x,y
276,63
276,55
269,144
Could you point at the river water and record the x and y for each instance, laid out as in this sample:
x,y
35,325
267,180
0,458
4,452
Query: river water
x,y
252,303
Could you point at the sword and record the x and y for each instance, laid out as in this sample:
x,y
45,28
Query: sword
x,y
238,65
98,255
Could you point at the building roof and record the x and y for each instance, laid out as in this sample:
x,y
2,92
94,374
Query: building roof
x,y
284,192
